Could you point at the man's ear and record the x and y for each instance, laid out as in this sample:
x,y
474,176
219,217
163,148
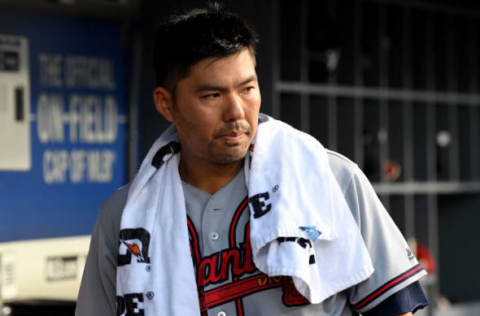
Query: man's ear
x,y
163,102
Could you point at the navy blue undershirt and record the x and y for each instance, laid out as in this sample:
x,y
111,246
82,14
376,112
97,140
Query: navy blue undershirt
x,y
409,299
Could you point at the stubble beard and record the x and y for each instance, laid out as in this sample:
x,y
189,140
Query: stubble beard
x,y
231,153
229,156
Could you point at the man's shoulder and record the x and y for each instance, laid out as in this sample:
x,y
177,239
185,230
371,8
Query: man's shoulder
x,y
342,168
117,199
113,207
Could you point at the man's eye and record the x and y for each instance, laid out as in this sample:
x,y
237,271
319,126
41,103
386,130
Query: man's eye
x,y
249,89
211,96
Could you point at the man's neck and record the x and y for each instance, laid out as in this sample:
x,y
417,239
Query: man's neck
x,y
208,177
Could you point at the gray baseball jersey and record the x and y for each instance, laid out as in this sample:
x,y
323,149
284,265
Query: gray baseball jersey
x,y
229,283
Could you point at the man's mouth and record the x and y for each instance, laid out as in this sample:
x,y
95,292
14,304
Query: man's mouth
x,y
233,135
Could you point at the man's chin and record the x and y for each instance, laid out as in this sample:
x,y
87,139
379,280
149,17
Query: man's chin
x,y
230,157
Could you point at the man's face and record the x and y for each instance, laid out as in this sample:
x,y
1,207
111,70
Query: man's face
x,y
216,109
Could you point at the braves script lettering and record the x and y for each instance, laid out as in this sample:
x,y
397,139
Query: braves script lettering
x,y
234,271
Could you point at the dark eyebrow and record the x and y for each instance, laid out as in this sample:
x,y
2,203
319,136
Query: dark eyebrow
x,y
208,87
249,79
212,87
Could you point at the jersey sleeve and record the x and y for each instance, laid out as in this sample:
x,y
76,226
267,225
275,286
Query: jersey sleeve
x,y
395,265
97,295
409,299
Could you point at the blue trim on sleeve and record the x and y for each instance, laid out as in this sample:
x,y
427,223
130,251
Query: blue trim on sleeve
x,y
409,299
387,286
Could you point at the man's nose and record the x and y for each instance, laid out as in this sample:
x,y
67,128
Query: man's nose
x,y
233,108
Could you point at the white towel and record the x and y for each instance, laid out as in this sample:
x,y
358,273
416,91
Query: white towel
x,y
300,224
325,253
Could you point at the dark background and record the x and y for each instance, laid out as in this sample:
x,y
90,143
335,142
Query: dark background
x,y
438,57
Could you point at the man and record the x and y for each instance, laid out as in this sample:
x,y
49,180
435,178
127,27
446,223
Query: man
x,y
207,86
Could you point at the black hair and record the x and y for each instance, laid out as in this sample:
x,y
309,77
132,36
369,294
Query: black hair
x,y
185,39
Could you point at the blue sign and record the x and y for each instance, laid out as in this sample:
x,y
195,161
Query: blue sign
x,y
63,93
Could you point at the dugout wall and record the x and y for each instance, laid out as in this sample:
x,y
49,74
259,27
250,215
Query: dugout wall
x,y
394,86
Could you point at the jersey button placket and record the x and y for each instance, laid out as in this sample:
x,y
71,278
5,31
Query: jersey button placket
x,y
214,236
221,313
213,225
